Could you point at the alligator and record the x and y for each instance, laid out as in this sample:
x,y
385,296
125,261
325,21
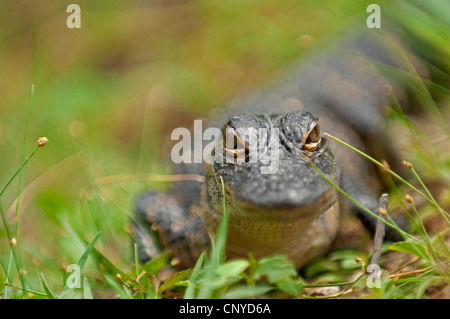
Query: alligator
x,y
293,211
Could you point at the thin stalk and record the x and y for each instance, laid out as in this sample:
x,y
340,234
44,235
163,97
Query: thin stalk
x,y
402,204
443,213
352,284
425,234
337,284
7,271
13,245
136,260
26,290
431,200
19,189
362,206
18,170
426,272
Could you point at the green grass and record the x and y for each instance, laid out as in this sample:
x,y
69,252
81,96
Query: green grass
x,y
107,95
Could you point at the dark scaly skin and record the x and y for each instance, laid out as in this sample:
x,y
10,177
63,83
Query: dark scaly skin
x,y
295,211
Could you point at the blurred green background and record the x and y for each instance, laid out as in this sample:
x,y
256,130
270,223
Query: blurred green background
x,y
108,95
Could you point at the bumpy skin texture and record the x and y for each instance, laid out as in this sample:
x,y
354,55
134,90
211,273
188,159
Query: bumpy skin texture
x,y
294,211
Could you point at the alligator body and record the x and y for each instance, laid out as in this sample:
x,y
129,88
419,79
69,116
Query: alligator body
x,y
293,211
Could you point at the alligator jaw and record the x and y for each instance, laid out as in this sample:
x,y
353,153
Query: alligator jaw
x,y
285,213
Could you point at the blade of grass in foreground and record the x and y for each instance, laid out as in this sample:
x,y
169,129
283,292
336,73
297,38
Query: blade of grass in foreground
x,y
222,230
444,214
81,262
18,170
47,289
19,190
88,250
7,271
190,290
121,291
87,293
34,292
218,251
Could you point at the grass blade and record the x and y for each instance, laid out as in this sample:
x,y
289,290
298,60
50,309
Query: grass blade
x,y
81,262
47,289
190,290
87,293
121,291
88,250
221,235
218,251
19,189
177,277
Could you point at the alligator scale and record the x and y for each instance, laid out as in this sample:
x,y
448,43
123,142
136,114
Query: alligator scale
x,y
293,211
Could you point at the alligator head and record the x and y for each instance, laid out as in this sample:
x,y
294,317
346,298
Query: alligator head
x,y
266,168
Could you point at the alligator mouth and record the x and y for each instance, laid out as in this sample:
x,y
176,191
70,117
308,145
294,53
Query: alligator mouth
x,y
286,209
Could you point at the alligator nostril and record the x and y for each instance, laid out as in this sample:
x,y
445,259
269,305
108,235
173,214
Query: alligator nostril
x,y
291,194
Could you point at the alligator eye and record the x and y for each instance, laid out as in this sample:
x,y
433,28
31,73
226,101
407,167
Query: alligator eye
x,y
233,145
312,138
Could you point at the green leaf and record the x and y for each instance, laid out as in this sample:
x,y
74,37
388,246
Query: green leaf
x,y
321,266
245,291
276,268
231,269
47,288
227,274
348,264
179,276
156,264
411,248
291,286
331,277
219,283
343,254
